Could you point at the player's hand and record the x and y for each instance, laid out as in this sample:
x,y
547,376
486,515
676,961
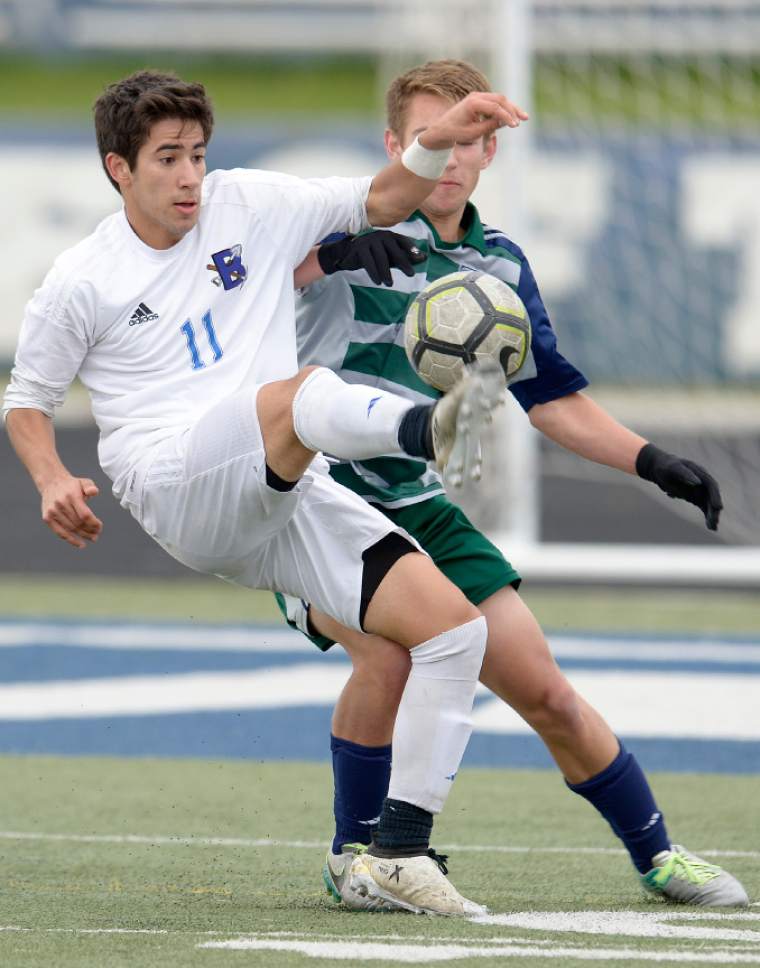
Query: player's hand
x,y
683,479
478,114
378,252
65,510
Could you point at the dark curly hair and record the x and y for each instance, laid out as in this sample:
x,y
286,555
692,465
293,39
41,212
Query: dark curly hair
x,y
127,110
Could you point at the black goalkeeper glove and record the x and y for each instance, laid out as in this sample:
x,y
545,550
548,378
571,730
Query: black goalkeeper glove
x,y
378,252
681,478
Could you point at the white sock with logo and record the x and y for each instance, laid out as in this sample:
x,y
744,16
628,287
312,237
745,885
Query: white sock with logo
x,y
434,720
347,420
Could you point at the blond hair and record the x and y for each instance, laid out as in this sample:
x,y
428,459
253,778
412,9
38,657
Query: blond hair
x,y
449,79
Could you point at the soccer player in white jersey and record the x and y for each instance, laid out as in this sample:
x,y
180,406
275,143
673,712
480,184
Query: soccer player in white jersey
x,y
347,322
177,314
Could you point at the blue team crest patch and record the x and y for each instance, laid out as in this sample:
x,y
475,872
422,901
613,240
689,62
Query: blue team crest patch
x,y
227,266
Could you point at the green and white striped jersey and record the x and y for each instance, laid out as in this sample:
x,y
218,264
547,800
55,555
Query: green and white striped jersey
x,y
356,328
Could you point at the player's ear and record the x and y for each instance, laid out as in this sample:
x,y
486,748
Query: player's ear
x,y
489,151
392,145
118,168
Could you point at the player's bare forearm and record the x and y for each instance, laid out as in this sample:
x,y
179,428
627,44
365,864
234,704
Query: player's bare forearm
x,y
63,496
309,270
32,436
396,191
580,425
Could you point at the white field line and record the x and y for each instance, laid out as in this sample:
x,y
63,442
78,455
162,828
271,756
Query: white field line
x,y
635,703
647,703
211,638
364,950
182,841
633,924
421,949
301,684
670,650
10,927
611,924
185,638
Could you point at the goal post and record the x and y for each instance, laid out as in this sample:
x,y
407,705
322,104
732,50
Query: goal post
x,y
511,64
639,206
635,192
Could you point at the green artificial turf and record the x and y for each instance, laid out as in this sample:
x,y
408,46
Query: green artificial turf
x,y
150,902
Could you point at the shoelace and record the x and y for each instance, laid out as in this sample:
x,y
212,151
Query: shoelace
x,y
440,859
354,848
694,870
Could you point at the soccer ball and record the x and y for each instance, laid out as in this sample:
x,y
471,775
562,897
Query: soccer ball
x,y
463,317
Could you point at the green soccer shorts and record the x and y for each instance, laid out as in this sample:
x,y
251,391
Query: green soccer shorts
x,y
462,553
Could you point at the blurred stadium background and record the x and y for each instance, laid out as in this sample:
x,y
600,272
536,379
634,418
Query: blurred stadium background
x,y
634,189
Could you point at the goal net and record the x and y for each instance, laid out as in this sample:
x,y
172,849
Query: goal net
x,y
635,191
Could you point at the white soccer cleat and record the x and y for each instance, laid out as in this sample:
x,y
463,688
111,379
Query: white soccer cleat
x,y
417,884
459,417
335,874
680,876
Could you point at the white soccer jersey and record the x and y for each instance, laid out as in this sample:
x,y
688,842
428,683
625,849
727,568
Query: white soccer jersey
x,y
158,337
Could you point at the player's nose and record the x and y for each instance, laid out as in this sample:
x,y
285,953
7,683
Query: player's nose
x,y
189,174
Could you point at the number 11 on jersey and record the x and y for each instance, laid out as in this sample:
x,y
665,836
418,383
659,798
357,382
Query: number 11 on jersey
x,y
192,345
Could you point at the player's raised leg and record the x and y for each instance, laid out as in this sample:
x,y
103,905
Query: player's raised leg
x,y
320,541
316,410
403,597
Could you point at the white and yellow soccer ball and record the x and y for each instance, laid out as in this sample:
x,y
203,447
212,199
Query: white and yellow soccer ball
x,y
463,317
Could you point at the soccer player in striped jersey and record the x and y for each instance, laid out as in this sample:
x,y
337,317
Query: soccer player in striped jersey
x,y
355,326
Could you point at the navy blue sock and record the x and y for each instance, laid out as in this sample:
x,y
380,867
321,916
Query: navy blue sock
x,y
414,433
361,775
622,795
403,831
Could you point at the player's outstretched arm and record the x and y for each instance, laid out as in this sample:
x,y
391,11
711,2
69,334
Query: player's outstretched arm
x,y
64,497
683,479
579,424
404,184
376,252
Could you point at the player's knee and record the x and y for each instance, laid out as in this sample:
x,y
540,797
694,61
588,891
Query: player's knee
x,y
457,653
282,392
305,371
274,406
558,711
474,633
384,669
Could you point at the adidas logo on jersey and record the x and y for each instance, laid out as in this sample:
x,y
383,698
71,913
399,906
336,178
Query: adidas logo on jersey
x,y
142,315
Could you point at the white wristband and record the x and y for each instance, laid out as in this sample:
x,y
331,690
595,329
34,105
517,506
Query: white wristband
x,y
425,162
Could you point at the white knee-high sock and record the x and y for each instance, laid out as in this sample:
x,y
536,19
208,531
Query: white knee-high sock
x,y
347,420
434,720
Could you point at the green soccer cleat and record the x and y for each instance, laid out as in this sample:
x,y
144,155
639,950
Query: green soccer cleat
x,y
680,876
459,418
336,875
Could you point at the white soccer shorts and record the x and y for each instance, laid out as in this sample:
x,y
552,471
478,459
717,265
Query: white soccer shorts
x,y
203,497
